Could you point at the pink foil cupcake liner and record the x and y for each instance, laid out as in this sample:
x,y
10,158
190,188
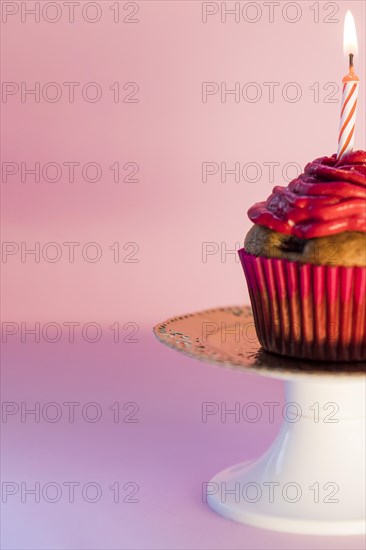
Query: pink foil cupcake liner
x,y
308,311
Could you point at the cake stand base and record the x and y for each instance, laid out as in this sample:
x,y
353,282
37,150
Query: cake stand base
x,y
312,479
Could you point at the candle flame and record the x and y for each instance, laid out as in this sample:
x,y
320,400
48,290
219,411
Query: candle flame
x,y
350,43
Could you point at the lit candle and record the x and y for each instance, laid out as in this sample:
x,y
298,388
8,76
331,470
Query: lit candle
x,y
350,90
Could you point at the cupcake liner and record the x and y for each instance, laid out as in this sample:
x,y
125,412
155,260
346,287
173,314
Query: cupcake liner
x,y
308,311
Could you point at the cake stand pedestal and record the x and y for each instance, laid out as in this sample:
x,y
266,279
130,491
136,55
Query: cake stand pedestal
x,y
312,478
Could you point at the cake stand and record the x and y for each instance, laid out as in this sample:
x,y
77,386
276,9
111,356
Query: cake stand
x,y
312,478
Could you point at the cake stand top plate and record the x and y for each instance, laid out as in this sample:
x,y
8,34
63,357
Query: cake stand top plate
x,y
226,336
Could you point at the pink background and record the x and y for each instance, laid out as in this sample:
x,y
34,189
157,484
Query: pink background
x,y
169,213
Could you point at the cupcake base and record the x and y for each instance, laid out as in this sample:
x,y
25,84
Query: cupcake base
x,y
308,311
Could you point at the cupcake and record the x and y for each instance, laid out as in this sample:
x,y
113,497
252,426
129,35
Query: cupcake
x,y
305,262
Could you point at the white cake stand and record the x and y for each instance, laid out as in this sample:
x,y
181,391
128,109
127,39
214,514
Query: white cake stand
x,y
312,478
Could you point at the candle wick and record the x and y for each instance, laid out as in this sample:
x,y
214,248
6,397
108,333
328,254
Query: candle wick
x,y
351,60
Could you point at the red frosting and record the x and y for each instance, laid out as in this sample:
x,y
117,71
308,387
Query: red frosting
x,y
329,198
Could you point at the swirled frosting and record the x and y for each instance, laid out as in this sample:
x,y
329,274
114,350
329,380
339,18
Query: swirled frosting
x,y
328,198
